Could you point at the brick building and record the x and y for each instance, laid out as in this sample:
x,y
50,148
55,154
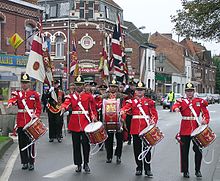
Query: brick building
x,y
15,17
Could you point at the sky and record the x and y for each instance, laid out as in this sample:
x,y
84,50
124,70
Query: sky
x,y
155,16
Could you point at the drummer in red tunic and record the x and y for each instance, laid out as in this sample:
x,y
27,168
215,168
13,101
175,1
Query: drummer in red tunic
x,y
139,123
78,121
32,99
188,125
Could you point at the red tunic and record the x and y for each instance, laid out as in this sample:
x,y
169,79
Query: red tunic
x,y
138,124
199,105
33,102
78,120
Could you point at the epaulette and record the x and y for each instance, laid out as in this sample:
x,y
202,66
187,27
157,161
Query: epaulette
x,y
15,93
67,96
180,100
129,101
204,102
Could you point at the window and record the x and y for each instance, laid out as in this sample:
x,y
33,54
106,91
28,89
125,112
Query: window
x,y
106,12
82,9
53,11
160,69
149,64
29,31
148,83
59,47
153,63
90,10
64,9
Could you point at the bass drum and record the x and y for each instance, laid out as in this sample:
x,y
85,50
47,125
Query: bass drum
x,y
96,132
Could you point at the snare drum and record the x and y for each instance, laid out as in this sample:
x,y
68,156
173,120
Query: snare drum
x,y
203,136
151,135
96,132
35,129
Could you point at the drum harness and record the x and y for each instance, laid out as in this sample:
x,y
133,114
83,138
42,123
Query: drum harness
x,y
199,124
30,114
144,153
92,152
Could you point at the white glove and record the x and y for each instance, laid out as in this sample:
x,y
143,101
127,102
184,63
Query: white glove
x,y
177,110
51,89
9,105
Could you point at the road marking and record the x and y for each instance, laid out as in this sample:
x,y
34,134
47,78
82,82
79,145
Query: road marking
x,y
10,164
59,172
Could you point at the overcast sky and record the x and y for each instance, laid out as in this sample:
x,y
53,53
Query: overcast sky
x,y
155,16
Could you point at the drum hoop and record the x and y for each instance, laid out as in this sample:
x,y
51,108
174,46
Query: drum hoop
x,y
198,130
88,130
31,123
147,129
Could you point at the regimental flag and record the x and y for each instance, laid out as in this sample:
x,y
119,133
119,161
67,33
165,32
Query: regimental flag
x,y
103,64
117,50
35,65
74,66
15,41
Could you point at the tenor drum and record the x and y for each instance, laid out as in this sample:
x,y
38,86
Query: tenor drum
x,y
35,129
111,109
96,132
203,136
151,135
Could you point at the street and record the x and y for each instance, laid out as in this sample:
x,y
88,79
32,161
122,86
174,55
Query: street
x,y
54,160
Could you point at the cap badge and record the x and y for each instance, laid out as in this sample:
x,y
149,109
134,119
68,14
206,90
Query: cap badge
x,y
113,82
140,84
189,85
78,79
25,77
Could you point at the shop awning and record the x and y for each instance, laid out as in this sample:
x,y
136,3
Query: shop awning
x,y
8,76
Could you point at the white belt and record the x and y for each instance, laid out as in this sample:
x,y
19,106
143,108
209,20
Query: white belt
x,y
79,112
188,118
139,117
24,110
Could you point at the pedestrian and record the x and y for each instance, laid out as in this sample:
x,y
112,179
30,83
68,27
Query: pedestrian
x,y
111,104
33,103
171,99
78,121
55,120
44,100
190,108
139,123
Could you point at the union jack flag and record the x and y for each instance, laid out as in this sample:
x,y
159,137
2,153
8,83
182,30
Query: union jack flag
x,y
74,67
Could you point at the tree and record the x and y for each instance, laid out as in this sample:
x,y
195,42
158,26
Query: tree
x,y
216,61
198,19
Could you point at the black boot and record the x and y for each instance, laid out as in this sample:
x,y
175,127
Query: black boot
x,y
78,168
186,174
31,167
25,166
149,173
118,160
138,172
86,168
109,160
198,174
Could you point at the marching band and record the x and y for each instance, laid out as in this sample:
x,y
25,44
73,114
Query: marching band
x,y
98,113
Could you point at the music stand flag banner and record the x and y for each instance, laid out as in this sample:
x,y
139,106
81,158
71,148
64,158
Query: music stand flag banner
x,y
117,50
74,67
35,66
103,64
15,41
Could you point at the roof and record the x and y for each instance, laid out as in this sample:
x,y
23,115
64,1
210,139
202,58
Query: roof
x,y
135,33
28,4
112,3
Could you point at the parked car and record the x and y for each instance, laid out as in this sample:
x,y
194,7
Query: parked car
x,y
216,98
162,99
206,97
166,103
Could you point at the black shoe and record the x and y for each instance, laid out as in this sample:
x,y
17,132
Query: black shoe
x,y
78,168
129,142
149,173
25,166
50,140
186,174
109,160
31,167
138,172
198,174
86,168
59,140
118,160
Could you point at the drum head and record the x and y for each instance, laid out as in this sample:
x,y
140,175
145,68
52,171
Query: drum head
x,y
198,130
145,130
30,123
92,127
